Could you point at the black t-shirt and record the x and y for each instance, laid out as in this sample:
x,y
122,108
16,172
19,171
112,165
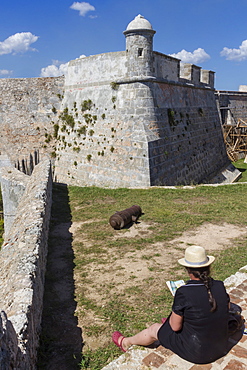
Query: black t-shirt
x,y
204,334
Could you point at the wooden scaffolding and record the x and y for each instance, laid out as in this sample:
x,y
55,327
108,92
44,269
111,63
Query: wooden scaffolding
x,y
235,137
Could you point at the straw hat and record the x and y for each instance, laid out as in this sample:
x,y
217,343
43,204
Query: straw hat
x,y
195,256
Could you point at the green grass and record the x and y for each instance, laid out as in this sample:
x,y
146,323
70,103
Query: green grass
x,y
128,304
242,167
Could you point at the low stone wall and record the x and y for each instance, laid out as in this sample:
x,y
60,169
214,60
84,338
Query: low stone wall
x,y
22,270
13,185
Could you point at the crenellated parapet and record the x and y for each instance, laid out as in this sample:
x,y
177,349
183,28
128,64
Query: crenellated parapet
x,y
196,75
130,118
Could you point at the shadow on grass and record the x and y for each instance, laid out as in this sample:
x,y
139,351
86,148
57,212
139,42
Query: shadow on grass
x,y
61,338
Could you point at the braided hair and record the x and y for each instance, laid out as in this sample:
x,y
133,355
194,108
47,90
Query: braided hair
x,y
203,273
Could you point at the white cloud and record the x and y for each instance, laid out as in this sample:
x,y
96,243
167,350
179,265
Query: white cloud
x,y
82,7
5,72
235,54
197,56
18,43
54,70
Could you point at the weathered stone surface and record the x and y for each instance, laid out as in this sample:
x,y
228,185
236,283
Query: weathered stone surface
x,y
239,351
29,109
8,343
22,269
13,184
153,360
201,367
235,365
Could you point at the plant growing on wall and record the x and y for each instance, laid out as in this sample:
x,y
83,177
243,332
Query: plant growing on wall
x,y
48,137
88,118
67,118
86,105
82,130
53,154
114,85
56,128
171,117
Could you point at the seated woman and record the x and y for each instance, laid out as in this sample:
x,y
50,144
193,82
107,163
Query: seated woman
x,y
197,328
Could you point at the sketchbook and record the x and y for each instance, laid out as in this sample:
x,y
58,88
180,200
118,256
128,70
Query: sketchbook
x,y
174,285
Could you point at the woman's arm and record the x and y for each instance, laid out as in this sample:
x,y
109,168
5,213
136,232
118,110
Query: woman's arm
x,y
176,322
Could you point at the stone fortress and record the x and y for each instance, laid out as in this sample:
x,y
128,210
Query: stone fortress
x,y
123,119
134,118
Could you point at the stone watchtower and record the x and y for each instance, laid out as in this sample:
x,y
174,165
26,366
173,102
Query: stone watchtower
x,y
139,47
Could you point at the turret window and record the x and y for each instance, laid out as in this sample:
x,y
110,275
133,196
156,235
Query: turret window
x,y
140,52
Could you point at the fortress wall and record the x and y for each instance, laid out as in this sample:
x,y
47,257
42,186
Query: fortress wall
x,y
13,185
96,69
141,134
166,67
190,147
22,270
28,111
108,144
232,106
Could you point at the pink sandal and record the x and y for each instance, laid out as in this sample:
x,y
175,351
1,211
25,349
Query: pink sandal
x,y
115,338
163,320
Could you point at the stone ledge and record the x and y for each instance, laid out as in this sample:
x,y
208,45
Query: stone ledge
x,y
22,269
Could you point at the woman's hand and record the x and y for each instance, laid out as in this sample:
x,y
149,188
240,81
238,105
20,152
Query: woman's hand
x,y
176,322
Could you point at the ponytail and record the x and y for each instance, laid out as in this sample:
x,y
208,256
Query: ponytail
x,y
203,273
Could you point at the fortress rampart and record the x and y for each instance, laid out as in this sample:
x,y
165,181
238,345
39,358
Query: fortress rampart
x,y
22,265
138,118
28,113
121,119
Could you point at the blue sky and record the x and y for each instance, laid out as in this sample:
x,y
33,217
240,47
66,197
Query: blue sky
x,y
38,38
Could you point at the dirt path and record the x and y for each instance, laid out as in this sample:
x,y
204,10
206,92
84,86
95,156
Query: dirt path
x,y
61,338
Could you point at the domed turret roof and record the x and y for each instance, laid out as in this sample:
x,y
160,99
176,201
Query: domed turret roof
x,y
139,23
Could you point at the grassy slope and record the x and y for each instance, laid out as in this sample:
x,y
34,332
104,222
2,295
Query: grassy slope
x,y
242,167
170,211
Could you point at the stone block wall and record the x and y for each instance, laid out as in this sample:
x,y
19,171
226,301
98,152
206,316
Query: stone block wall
x,y
22,270
96,70
189,147
139,133
29,109
166,67
232,106
13,185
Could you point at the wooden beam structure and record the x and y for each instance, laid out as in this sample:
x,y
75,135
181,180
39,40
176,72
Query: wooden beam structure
x,y
235,137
